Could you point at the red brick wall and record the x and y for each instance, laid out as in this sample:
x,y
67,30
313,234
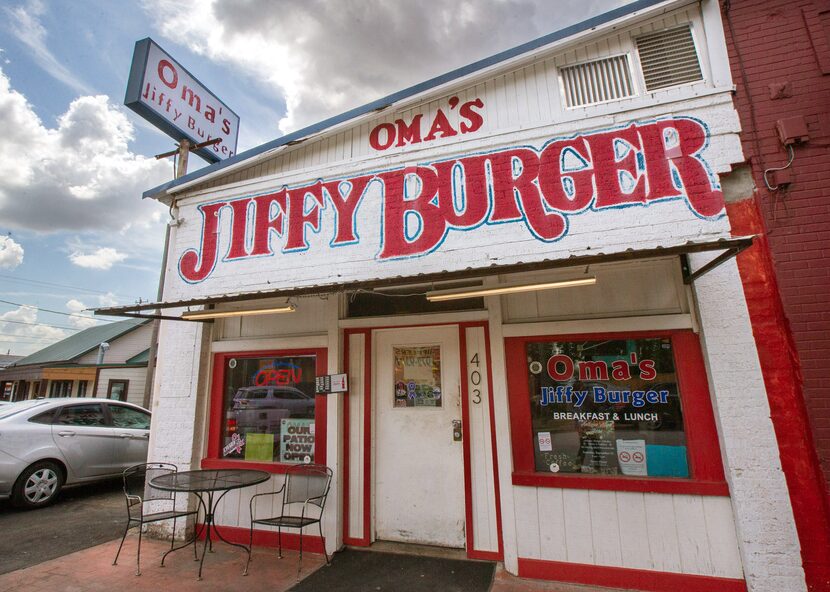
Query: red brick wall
x,y
780,59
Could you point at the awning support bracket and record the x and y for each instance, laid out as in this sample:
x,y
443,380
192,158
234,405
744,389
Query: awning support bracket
x,y
690,276
162,317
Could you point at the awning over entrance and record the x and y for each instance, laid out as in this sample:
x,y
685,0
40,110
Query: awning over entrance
x,y
728,248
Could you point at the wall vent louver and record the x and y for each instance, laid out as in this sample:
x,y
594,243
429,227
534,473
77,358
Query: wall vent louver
x,y
599,81
668,58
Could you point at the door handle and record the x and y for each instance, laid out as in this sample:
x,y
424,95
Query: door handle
x,y
126,435
64,434
457,433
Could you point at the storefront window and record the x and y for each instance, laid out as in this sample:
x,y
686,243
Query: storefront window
x,y
606,407
269,407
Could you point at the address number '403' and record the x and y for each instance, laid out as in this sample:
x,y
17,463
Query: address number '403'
x,y
475,379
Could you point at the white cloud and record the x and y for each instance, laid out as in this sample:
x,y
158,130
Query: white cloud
x,y
101,258
11,253
24,23
107,299
77,308
24,339
79,175
325,58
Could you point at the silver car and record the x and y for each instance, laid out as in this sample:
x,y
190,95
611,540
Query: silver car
x,y
48,443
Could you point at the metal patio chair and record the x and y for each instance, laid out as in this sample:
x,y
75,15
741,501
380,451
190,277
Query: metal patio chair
x,y
137,493
304,492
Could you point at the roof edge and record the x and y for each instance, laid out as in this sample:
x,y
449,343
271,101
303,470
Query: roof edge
x,y
388,100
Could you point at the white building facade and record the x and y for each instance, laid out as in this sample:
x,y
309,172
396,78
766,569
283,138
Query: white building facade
x,y
601,418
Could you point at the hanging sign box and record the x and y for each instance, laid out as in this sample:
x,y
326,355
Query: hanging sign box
x,y
331,383
171,98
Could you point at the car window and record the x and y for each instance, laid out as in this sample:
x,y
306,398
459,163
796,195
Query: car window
x,y
45,417
291,395
127,417
81,415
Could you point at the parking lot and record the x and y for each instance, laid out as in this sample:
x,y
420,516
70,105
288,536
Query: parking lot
x,y
82,517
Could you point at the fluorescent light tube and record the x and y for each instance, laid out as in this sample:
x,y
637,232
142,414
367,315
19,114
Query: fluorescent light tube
x,y
442,295
218,314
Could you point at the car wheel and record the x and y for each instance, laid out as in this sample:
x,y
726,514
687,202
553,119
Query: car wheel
x,y
38,485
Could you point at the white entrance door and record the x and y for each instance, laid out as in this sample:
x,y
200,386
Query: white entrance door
x,y
419,467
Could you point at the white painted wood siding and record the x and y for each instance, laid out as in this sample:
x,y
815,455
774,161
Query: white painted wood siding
x,y
309,318
122,348
357,434
137,378
479,435
653,287
675,533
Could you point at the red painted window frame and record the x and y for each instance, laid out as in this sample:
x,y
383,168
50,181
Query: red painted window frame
x,y
213,459
705,463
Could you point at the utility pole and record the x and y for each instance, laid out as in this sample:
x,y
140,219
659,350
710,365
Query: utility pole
x,y
182,152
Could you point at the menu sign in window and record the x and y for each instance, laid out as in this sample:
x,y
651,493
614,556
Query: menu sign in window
x,y
417,376
606,407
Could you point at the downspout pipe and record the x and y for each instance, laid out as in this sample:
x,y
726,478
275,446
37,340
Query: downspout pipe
x,y
102,349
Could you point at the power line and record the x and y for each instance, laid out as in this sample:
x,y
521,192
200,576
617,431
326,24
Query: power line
x,y
39,324
55,285
32,337
66,314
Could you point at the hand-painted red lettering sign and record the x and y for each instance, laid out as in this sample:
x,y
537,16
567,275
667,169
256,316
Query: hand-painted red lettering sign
x,y
633,166
401,133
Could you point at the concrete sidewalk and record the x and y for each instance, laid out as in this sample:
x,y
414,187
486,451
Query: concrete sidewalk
x,y
91,570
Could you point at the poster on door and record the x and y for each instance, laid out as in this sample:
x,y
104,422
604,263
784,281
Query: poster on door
x,y
418,376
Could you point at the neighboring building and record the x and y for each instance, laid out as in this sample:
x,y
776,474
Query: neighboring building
x,y
779,54
70,368
594,409
6,387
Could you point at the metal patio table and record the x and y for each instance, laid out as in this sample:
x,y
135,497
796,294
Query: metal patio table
x,y
205,484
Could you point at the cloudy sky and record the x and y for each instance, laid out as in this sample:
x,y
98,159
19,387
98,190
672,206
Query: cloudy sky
x,y
74,231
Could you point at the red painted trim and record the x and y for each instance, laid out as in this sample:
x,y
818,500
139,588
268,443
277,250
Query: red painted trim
x,y
268,538
623,577
465,440
346,451
644,484
367,439
472,552
484,555
213,459
705,463
493,444
705,460
781,370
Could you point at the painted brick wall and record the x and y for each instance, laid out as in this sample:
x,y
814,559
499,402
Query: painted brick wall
x,y
763,513
780,60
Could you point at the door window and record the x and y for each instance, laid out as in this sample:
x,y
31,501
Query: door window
x,y
417,376
82,415
129,418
